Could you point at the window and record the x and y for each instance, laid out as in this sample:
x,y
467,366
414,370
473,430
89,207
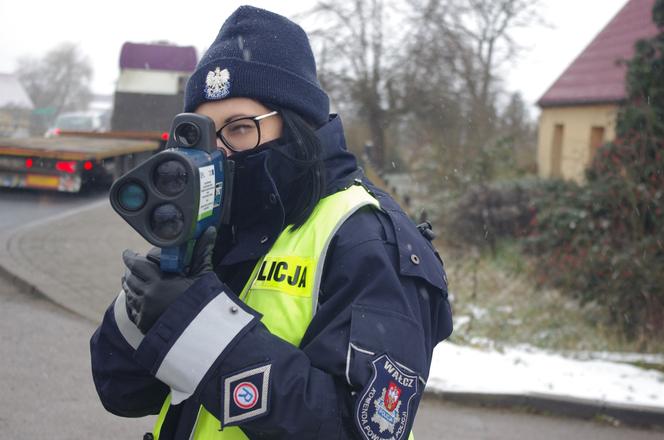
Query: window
x,y
596,140
557,151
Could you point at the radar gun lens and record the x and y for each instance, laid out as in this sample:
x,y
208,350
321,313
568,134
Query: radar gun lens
x,y
167,221
187,134
170,178
132,196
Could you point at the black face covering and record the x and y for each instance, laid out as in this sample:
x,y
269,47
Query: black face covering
x,y
267,184
264,183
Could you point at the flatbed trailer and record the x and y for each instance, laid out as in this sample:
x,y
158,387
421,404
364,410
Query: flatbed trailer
x,y
149,93
72,160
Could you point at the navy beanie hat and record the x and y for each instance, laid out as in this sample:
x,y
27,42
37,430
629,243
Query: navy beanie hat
x,y
260,55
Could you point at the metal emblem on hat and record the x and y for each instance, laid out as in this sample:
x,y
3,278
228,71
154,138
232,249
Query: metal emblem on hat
x,y
217,84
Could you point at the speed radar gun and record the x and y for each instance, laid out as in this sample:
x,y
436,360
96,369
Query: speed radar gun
x,y
174,196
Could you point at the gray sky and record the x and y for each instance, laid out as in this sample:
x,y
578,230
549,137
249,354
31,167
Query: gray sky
x,y
31,27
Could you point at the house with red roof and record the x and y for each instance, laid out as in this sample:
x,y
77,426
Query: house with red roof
x,y
579,110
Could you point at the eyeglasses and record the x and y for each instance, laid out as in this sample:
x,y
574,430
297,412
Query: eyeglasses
x,y
243,133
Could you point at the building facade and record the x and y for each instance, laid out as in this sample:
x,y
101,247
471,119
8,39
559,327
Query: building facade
x,y
15,107
150,88
579,110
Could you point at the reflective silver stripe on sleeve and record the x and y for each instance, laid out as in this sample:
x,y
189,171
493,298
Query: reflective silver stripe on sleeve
x,y
193,428
194,352
348,366
348,354
128,329
424,382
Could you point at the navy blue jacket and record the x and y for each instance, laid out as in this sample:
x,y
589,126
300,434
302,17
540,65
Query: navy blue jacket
x,y
382,309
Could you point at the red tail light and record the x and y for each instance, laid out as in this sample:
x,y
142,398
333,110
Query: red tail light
x,y
57,132
28,163
164,136
87,165
66,166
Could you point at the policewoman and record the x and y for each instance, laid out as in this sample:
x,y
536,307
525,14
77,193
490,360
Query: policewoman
x,y
314,313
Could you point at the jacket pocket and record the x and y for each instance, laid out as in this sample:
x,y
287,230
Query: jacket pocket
x,y
374,332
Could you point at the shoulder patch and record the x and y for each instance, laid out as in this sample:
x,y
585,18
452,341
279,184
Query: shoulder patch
x,y
246,395
383,410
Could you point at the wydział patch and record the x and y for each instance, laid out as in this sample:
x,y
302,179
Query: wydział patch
x,y
246,395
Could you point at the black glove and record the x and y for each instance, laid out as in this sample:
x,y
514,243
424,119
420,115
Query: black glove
x,y
149,291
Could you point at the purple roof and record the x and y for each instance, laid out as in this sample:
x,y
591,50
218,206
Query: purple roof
x,y
158,57
595,76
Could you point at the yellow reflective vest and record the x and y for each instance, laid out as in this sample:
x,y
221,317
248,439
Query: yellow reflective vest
x,y
284,286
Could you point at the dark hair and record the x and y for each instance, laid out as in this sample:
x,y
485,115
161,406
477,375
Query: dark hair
x,y
306,153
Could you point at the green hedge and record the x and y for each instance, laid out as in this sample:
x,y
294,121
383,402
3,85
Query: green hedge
x,y
601,242
604,241
486,213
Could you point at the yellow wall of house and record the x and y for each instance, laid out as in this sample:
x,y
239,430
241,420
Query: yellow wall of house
x,y
575,140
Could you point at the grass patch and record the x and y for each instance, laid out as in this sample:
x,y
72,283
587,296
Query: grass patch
x,y
496,302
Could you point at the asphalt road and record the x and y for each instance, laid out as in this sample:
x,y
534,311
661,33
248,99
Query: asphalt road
x,y
440,420
45,379
21,207
47,391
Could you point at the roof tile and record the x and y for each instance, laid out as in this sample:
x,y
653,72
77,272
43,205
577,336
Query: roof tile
x,y
158,57
596,76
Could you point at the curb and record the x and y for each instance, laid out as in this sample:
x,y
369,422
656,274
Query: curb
x,y
33,255
30,289
568,406
11,272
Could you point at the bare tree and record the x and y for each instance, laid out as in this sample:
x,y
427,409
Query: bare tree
x,y
471,41
519,132
425,77
358,57
57,82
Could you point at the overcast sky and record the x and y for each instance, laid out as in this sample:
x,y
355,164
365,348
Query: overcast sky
x,y
32,27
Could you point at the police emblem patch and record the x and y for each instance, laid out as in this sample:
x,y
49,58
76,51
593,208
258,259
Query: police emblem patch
x,y
245,395
383,409
217,84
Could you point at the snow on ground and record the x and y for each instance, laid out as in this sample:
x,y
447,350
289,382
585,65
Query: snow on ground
x,y
519,370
